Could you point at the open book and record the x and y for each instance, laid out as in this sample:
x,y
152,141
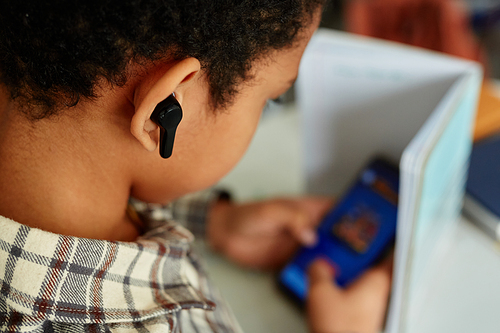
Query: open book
x,y
361,97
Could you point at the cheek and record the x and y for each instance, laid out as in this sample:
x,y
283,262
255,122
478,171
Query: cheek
x,y
236,136
225,140
206,150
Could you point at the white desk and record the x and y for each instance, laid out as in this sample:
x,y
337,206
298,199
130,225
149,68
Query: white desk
x,y
465,296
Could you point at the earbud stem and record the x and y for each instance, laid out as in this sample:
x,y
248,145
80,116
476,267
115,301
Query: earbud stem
x,y
167,115
167,137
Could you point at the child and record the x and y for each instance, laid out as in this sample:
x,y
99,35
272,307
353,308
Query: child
x,y
80,81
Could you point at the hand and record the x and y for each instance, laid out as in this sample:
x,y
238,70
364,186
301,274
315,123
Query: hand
x,y
265,234
359,309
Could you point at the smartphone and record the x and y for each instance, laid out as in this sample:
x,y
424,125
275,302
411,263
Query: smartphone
x,y
354,234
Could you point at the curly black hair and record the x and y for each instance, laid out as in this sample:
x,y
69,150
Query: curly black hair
x,y
55,52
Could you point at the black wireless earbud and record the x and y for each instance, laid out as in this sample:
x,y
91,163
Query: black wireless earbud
x,y
167,115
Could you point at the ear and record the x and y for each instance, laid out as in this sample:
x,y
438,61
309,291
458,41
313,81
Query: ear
x,y
153,89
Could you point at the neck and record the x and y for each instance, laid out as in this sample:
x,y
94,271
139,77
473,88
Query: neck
x,y
67,175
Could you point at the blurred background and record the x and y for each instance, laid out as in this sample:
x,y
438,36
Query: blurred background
x,y
466,28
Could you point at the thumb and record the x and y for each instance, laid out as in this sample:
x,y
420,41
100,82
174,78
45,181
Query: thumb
x,y
320,271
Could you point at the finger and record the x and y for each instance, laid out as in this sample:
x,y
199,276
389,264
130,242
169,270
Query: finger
x,y
325,300
298,222
271,218
307,237
377,278
309,213
320,271
261,252
316,207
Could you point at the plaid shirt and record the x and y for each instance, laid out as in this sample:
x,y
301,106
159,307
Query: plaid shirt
x,y
56,283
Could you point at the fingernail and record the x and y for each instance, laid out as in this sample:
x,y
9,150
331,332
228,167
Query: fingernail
x,y
309,237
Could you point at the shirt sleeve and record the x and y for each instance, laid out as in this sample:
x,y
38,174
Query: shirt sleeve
x,y
190,211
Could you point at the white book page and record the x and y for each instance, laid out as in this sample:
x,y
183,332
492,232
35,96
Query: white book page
x,y
360,97
436,163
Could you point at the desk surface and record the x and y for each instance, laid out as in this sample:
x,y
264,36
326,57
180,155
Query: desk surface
x,y
465,297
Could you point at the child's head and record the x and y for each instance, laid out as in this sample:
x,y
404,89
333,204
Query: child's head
x,y
54,53
74,63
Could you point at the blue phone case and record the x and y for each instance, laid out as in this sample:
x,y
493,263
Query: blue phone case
x,y
355,233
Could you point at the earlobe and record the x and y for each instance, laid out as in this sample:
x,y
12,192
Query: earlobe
x,y
149,95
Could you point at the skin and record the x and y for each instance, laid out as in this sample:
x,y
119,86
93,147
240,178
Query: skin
x,y
360,308
265,234
73,174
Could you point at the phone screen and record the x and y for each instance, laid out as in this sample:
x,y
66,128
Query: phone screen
x,y
355,233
